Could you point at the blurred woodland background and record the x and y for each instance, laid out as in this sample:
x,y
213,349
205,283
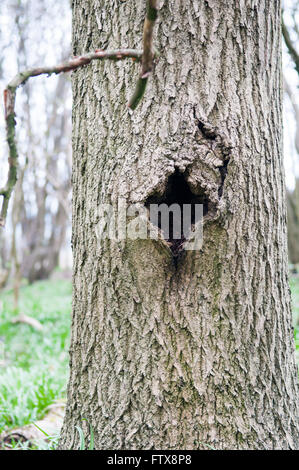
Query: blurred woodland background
x,y
290,30
35,245
37,237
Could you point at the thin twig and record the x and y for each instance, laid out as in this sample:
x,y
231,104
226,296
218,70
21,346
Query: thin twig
x,y
148,55
9,106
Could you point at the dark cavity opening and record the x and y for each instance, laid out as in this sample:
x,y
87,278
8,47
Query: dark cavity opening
x,y
177,192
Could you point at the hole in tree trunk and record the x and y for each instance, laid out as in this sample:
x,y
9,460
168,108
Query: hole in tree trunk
x,y
177,192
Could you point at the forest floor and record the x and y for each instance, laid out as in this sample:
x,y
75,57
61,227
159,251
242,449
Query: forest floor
x,y
34,364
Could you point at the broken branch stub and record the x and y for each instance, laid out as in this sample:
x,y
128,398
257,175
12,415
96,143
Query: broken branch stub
x,y
148,55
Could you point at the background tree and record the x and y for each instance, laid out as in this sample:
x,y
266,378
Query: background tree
x,y
170,353
291,35
37,232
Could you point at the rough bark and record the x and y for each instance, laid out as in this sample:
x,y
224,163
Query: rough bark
x,y
178,353
293,196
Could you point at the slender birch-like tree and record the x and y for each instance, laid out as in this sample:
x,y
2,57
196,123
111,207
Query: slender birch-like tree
x,y
176,349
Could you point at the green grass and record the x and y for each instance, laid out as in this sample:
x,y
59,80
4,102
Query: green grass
x,y
34,363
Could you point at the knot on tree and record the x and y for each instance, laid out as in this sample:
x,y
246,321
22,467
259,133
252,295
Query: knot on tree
x,y
200,183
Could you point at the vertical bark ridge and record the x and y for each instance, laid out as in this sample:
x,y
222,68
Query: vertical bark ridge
x,y
167,356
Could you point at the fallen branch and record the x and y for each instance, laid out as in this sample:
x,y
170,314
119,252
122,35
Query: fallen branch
x,y
148,55
9,106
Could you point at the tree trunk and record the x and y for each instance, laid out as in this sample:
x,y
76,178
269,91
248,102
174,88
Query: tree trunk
x,y
175,352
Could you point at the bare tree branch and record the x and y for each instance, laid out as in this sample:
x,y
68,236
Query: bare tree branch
x,y
148,55
10,97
